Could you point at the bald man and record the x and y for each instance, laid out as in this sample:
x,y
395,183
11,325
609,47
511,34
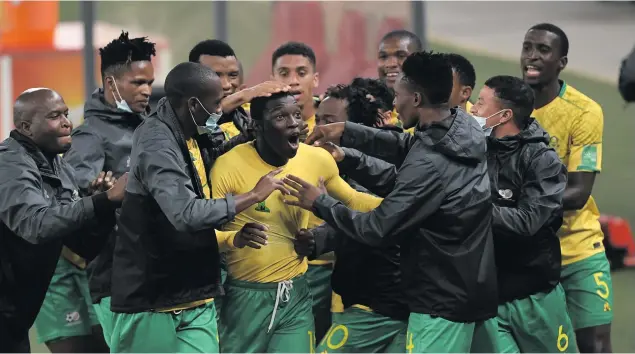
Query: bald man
x,y
166,270
40,211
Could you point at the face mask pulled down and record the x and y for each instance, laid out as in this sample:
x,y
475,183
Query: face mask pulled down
x,y
122,105
211,123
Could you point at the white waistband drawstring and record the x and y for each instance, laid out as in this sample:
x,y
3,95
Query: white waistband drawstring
x,y
281,295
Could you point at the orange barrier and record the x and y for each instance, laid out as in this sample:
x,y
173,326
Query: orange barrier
x,y
620,235
28,25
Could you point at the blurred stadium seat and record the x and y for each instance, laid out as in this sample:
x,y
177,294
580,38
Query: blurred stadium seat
x,y
618,241
293,21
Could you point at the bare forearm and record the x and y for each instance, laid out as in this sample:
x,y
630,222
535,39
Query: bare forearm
x,y
233,101
244,201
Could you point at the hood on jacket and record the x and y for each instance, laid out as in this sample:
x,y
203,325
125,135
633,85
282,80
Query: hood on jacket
x,y
96,106
458,137
532,134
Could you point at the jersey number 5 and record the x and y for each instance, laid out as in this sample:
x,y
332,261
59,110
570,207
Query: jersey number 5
x,y
604,291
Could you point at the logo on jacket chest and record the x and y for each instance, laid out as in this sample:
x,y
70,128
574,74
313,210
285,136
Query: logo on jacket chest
x,y
128,162
505,193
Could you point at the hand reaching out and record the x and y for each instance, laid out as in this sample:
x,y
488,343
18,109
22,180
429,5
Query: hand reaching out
x,y
305,192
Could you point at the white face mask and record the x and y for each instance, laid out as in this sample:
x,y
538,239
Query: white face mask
x,y
482,121
122,105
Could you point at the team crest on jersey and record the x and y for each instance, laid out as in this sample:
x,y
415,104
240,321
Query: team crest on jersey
x,y
553,142
261,207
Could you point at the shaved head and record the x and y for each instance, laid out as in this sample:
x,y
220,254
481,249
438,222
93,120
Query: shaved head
x,y
29,101
41,115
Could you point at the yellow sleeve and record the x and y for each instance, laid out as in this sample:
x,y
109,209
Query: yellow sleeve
x,y
586,142
221,177
342,191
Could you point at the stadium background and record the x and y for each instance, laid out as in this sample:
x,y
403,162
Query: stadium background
x,y
487,33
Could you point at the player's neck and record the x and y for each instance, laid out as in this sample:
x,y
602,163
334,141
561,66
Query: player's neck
x,y
431,115
268,155
308,111
544,94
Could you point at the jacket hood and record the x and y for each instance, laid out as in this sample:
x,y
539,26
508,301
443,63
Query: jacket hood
x,y
458,136
96,106
533,134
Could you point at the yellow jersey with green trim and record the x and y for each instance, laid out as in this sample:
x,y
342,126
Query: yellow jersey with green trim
x,y
237,172
575,124
311,123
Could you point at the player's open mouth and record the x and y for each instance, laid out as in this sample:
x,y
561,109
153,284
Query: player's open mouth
x,y
392,75
296,94
294,140
532,71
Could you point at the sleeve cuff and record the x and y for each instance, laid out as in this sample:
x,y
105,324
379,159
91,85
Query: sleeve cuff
x,y
102,206
351,160
231,207
323,204
348,137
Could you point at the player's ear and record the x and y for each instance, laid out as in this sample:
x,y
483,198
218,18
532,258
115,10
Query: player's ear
x,y
466,92
562,63
316,80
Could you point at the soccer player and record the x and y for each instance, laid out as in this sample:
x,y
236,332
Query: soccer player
x,y
374,314
166,263
384,96
528,181
394,48
103,143
439,210
575,124
294,64
41,210
464,80
268,306
220,57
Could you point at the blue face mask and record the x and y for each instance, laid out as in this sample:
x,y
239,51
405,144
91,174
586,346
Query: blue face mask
x,y
122,105
212,120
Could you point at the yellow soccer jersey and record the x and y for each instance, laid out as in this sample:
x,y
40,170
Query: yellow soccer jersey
x,y
575,123
311,123
229,128
195,154
237,172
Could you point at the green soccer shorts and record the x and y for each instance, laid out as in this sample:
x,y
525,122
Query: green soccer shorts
x,y
536,324
589,291
437,335
319,278
246,324
105,317
219,300
188,331
67,310
358,330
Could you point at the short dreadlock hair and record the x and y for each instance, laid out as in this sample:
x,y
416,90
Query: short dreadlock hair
x,y
360,108
117,55
378,89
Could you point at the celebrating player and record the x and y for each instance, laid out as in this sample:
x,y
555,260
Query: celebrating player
x,y
268,306
439,210
528,182
103,142
41,210
575,124
464,80
166,263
